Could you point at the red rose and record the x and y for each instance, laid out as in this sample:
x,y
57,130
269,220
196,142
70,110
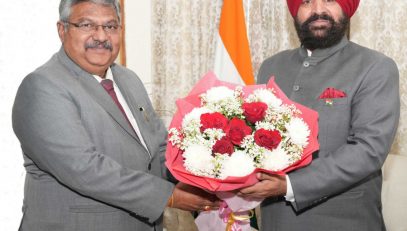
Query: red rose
x,y
213,120
237,130
267,139
223,146
254,111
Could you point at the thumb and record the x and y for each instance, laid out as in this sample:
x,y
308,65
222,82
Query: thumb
x,y
259,176
263,176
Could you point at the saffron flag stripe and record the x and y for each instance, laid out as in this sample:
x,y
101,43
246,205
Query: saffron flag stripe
x,y
233,45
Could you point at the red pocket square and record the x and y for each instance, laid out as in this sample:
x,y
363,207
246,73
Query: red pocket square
x,y
331,93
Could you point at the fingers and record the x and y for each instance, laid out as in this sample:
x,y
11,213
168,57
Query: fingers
x,y
265,176
194,199
254,192
269,185
249,190
209,207
200,205
211,203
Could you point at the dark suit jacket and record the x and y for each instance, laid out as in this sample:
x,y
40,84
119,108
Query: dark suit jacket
x,y
341,189
86,168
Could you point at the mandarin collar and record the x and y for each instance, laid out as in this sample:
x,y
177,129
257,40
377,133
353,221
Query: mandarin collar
x,y
319,55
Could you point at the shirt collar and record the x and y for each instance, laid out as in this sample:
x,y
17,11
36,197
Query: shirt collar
x,y
109,75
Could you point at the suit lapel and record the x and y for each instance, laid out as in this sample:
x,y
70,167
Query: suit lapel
x,y
129,93
93,88
103,99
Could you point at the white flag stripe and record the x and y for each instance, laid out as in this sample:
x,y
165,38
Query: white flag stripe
x,y
225,70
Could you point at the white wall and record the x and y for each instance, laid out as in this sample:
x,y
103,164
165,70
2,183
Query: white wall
x,y
138,37
28,38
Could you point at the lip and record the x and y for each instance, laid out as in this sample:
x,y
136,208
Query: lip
x,y
320,22
98,50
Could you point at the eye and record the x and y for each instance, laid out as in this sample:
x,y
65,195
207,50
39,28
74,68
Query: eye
x,y
86,25
111,27
305,2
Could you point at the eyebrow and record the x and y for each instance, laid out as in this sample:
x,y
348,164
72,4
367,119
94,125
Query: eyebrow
x,y
85,19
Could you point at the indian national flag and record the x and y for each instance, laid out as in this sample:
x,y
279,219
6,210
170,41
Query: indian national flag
x,y
233,61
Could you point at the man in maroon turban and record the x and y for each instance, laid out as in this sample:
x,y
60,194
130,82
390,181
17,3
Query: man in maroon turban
x,y
341,188
321,23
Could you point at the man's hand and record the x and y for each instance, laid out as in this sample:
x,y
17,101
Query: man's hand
x,y
190,198
268,186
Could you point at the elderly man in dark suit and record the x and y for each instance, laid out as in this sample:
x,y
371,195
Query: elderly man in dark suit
x,y
355,91
92,143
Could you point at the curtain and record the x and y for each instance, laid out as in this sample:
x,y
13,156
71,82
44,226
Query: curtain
x,y
183,45
270,30
381,25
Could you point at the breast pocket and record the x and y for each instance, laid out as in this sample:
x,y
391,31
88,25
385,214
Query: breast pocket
x,y
334,122
335,102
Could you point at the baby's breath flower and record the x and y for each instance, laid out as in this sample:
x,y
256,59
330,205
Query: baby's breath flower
x,y
174,137
265,125
213,135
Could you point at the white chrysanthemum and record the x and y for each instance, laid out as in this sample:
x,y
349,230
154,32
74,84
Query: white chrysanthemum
x,y
194,115
276,159
267,97
298,131
217,94
238,164
198,159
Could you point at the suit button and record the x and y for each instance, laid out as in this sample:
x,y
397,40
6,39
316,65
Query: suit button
x,y
305,64
296,88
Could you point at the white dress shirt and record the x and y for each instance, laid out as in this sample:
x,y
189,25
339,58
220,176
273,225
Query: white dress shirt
x,y
122,101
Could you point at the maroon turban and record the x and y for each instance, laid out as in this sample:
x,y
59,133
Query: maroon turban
x,y
348,6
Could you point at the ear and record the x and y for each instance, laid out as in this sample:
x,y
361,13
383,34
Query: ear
x,y
61,31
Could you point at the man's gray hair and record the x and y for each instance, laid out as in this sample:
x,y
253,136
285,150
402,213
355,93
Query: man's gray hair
x,y
66,5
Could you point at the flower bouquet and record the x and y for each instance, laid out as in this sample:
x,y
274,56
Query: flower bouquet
x,y
223,134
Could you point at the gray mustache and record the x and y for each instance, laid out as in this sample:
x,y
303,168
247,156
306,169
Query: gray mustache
x,y
106,45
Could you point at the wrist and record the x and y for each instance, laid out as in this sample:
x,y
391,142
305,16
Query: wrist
x,y
170,202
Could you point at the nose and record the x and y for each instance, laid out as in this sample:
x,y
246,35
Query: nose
x,y
99,34
318,6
